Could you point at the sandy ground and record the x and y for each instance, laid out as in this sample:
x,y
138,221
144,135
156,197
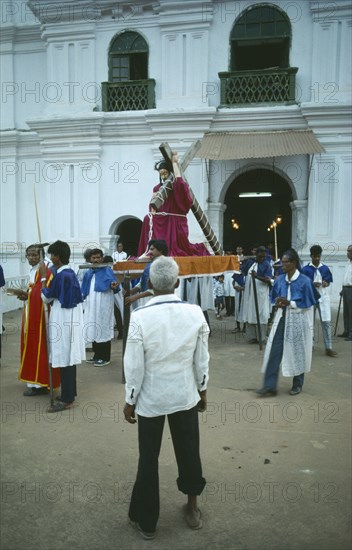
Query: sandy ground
x,y
278,470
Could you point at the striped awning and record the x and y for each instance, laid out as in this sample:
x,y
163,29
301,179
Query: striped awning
x,y
251,145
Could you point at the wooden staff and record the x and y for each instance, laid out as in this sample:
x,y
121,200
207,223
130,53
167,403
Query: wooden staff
x,y
257,309
338,315
46,313
126,319
201,218
36,213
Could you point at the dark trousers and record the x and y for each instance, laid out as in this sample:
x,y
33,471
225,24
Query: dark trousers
x,y
118,320
184,428
102,350
68,383
206,317
273,367
230,305
347,310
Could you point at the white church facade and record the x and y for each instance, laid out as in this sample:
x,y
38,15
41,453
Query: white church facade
x,y
91,89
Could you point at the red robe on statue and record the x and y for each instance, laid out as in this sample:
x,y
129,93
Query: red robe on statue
x,y
34,353
170,224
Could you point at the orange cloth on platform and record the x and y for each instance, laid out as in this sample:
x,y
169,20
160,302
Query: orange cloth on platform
x,y
34,353
190,266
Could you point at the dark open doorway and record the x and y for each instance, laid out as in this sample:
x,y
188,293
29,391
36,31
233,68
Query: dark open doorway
x,y
129,232
254,215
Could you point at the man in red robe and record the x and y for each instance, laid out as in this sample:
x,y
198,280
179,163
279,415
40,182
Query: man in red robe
x,y
169,223
34,353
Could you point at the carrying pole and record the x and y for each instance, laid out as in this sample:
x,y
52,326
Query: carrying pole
x,y
338,315
257,310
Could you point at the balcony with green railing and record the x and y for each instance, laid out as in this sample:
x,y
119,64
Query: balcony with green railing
x,y
130,95
258,86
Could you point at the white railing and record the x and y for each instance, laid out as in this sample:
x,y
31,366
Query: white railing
x,y
10,303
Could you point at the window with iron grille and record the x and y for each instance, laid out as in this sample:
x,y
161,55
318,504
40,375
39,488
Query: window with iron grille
x,y
129,88
259,62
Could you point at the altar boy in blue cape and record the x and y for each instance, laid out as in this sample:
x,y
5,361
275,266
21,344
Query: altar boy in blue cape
x,y
290,340
321,276
98,287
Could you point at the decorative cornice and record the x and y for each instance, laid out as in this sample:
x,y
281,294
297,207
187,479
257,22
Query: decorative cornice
x,y
328,116
65,32
28,33
8,140
21,39
7,34
259,118
53,12
324,12
69,138
125,127
19,143
83,135
174,15
331,124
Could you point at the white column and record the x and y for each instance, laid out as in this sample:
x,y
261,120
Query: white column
x,y
215,214
299,223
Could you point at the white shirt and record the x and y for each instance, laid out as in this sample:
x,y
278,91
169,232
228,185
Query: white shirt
x,y
32,272
119,256
347,279
166,359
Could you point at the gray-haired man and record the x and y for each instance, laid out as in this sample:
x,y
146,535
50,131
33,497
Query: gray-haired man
x,y
166,367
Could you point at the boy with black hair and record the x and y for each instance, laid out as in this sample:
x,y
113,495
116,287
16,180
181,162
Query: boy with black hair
x,y
98,288
66,342
321,276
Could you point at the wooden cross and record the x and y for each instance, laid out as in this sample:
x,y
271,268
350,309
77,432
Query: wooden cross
x,y
195,207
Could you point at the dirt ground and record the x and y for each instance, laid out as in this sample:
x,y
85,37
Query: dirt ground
x,y
278,469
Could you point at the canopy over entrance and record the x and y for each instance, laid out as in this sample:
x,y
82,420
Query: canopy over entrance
x,y
251,145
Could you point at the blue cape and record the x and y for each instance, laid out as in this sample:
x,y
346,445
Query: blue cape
x,y
65,288
238,278
310,270
104,276
303,291
263,270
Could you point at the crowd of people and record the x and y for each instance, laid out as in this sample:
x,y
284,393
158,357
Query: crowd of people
x,y
248,293
253,296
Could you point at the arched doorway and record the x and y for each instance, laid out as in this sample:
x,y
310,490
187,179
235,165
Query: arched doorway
x,y
128,232
254,214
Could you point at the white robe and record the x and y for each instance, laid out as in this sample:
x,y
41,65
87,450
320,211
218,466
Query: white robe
x,y
298,339
98,315
228,280
248,311
324,301
66,342
205,291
